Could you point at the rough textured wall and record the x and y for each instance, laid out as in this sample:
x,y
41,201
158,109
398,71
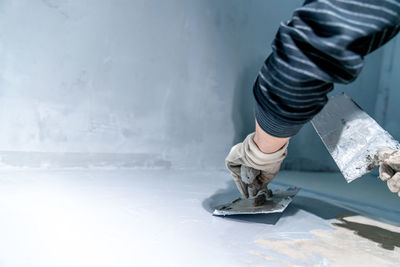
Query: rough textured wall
x,y
159,79
141,82
388,97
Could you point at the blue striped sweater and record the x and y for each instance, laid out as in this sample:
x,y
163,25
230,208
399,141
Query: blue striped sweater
x,y
324,43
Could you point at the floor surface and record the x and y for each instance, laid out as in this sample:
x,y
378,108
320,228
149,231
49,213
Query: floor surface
x,y
163,218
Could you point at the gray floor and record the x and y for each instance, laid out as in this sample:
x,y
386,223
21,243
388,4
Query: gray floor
x,y
163,218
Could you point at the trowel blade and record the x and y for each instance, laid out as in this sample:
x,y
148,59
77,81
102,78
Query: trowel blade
x,y
278,202
351,136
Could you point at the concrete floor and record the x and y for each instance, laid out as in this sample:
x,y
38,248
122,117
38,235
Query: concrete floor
x,y
163,218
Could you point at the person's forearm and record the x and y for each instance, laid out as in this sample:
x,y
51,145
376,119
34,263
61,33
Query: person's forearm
x,y
324,43
267,143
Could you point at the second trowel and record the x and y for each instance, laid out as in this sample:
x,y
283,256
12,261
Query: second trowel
x,y
351,136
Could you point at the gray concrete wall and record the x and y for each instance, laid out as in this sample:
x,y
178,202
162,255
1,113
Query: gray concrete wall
x,y
158,83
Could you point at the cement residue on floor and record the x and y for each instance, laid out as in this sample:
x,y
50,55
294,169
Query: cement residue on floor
x,y
355,241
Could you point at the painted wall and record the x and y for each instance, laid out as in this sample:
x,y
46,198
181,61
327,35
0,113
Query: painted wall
x,y
143,83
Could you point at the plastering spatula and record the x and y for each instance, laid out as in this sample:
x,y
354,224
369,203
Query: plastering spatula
x,y
275,200
351,136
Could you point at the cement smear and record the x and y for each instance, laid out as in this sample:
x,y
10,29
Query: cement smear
x,y
354,241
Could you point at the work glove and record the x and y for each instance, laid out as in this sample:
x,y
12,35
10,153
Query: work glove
x,y
252,169
389,168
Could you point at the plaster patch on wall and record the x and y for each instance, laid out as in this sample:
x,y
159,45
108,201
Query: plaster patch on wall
x,y
355,241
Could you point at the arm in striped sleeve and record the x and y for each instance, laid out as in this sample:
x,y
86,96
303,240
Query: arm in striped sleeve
x,y
324,43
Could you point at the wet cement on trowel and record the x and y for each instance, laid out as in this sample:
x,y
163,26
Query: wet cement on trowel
x,y
354,241
260,200
266,202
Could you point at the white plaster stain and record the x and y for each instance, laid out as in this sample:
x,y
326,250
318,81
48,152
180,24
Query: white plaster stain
x,y
339,247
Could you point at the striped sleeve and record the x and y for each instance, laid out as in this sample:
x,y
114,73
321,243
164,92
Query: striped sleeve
x,y
324,43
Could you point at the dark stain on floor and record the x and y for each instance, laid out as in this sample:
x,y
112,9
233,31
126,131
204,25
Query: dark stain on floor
x,y
385,238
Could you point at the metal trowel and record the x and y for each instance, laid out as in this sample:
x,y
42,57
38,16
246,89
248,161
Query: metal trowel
x,y
271,201
351,136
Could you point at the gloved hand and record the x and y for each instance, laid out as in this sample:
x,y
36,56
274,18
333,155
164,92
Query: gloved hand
x,y
252,169
389,168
